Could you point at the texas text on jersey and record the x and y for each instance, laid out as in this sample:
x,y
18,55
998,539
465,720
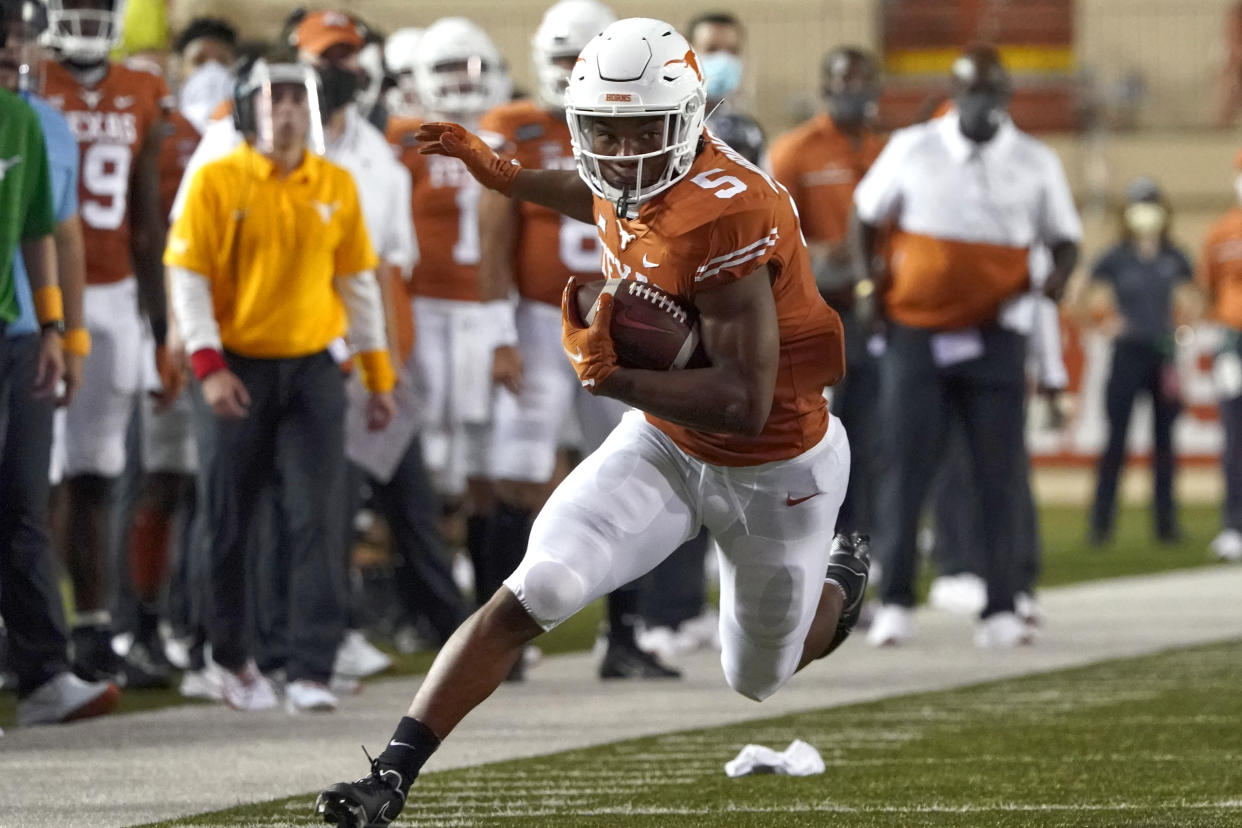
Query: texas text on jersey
x,y
725,220
551,247
445,207
111,121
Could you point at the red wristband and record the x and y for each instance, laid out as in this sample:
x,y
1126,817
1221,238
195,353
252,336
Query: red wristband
x,y
206,361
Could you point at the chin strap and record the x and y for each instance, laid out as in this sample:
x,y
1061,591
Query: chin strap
x,y
623,203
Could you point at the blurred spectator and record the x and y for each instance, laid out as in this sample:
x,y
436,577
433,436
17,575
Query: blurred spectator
x,y
38,196
717,38
258,314
820,163
1220,275
960,250
400,56
1135,280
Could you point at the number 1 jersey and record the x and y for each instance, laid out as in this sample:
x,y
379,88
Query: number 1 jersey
x,y
111,121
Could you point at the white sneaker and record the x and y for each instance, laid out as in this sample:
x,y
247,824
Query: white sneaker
x,y
1003,630
304,696
358,657
961,594
64,698
1028,609
1228,545
206,684
661,641
248,690
892,626
702,631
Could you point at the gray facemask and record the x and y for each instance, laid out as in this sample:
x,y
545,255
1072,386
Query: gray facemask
x,y
850,109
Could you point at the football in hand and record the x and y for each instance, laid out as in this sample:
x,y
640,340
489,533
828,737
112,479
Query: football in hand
x,y
651,328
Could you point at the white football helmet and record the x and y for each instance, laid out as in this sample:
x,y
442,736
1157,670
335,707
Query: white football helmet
x,y
565,29
84,31
637,68
400,53
458,71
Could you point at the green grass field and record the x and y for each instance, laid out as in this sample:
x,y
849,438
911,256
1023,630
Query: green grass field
x,y
1067,559
1150,741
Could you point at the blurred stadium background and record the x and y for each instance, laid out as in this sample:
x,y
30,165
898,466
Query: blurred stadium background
x,y
1120,88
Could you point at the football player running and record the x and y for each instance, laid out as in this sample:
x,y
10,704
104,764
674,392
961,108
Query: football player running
x,y
115,112
459,75
745,447
537,250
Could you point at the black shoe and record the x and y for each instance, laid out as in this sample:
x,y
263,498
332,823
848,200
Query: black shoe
x,y
849,565
93,657
625,661
371,802
141,669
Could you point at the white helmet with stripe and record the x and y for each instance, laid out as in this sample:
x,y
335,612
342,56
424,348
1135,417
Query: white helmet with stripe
x,y
84,32
458,70
566,28
636,68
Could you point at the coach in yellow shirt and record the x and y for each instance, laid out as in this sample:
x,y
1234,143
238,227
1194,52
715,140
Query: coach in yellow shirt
x,y
269,260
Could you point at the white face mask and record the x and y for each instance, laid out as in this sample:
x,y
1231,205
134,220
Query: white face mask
x,y
1146,220
209,86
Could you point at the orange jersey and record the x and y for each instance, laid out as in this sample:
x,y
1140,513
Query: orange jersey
x,y
550,247
177,145
1220,269
445,207
821,166
724,220
111,121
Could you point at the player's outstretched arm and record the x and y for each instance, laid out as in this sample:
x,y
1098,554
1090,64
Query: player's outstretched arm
x,y
560,190
733,395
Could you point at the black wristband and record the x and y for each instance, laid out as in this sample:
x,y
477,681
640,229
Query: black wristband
x,y
159,329
57,325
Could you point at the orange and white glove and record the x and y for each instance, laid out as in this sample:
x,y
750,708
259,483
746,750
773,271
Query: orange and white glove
x,y
454,140
590,350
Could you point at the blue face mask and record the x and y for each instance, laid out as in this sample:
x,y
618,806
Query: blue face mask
x,y
722,73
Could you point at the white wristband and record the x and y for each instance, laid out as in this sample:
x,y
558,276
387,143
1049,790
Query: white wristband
x,y
500,318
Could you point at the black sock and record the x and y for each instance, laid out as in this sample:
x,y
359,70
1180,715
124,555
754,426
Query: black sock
x,y
485,581
510,533
410,747
623,616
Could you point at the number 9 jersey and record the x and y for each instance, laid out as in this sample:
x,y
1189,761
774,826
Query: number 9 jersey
x,y
111,121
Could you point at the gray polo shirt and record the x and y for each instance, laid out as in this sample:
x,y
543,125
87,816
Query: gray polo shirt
x,y
1144,289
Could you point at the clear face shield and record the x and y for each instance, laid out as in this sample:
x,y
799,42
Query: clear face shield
x,y
629,158
287,110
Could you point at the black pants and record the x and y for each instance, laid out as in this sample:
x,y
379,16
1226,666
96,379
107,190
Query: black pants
x,y
1137,366
1231,460
918,398
855,400
424,573
959,526
30,601
676,590
294,432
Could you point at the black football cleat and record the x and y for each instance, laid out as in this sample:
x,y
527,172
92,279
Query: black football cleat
x,y
625,661
371,802
849,564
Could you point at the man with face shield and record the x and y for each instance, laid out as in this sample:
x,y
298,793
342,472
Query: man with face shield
x,y
744,447
270,259
969,195
820,163
1220,277
1135,282
717,38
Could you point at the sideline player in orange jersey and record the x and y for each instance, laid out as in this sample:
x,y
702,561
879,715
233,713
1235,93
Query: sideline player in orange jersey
x,y
459,75
820,163
537,250
745,447
115,112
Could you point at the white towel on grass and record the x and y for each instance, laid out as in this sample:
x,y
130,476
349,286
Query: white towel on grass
x,y
799,759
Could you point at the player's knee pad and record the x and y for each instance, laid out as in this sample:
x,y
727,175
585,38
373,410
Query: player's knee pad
x,y
550,591
754,672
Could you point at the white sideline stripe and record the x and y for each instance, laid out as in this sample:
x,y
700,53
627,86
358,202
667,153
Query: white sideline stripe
x,y
766,239
747,258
